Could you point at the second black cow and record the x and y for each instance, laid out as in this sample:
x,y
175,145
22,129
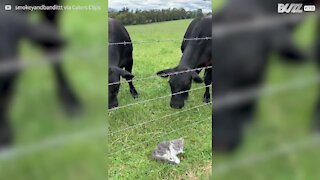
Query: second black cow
x,y
196,54
120,56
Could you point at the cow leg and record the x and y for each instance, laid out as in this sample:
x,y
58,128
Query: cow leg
x,y
7,82
207,81
317,117
133,90
67,96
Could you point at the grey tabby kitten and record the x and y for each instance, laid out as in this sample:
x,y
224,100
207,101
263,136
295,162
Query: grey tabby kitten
x,y
168,150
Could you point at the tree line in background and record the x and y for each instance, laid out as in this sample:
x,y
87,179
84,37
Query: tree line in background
x,y
132,17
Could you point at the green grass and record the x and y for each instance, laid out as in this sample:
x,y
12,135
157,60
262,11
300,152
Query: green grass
x,y
135,163
37,114
281,119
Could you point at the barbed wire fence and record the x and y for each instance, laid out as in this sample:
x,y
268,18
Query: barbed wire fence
x,y
155,120
248,94
159,41
157,98
234,98
218,31
135,126
163,74
162,135
219,102
8,66
253,159
146,80
238,98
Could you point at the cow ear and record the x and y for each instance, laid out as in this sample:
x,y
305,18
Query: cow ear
x,y
123,73
165,73
196,78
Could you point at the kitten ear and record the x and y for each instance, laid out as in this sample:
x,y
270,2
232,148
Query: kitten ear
x,y
182,140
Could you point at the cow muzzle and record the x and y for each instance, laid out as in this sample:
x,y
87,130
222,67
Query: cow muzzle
x,y
177,104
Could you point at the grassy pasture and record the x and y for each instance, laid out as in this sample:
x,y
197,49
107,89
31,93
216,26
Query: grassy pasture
x,y
134,161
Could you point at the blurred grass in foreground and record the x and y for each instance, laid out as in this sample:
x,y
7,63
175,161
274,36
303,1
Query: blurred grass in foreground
x,y
38,117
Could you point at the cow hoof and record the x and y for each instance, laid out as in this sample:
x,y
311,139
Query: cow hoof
x,y
73,109
71,105
206,100
134,94
316,124
6,137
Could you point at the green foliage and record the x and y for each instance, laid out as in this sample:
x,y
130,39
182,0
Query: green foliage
x,y
132,17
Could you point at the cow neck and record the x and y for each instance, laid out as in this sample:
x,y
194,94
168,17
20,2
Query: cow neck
x,y
186,61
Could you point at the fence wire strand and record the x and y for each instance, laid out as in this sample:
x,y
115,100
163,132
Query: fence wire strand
x,y
159,41
254,159
163,74
24,150
156,98
53,57
162,135
13,153
239,97
157,119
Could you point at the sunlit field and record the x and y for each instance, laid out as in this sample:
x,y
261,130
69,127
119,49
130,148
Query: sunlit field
x,y
131,148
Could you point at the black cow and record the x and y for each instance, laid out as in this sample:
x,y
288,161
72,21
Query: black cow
x,y
120,56
241,61
15,27
196,54
188,33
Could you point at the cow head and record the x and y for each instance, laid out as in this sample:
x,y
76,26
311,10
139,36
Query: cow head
x,y
114,76
179,82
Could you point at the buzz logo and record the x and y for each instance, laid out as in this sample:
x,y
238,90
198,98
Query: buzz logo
x,y
290,8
